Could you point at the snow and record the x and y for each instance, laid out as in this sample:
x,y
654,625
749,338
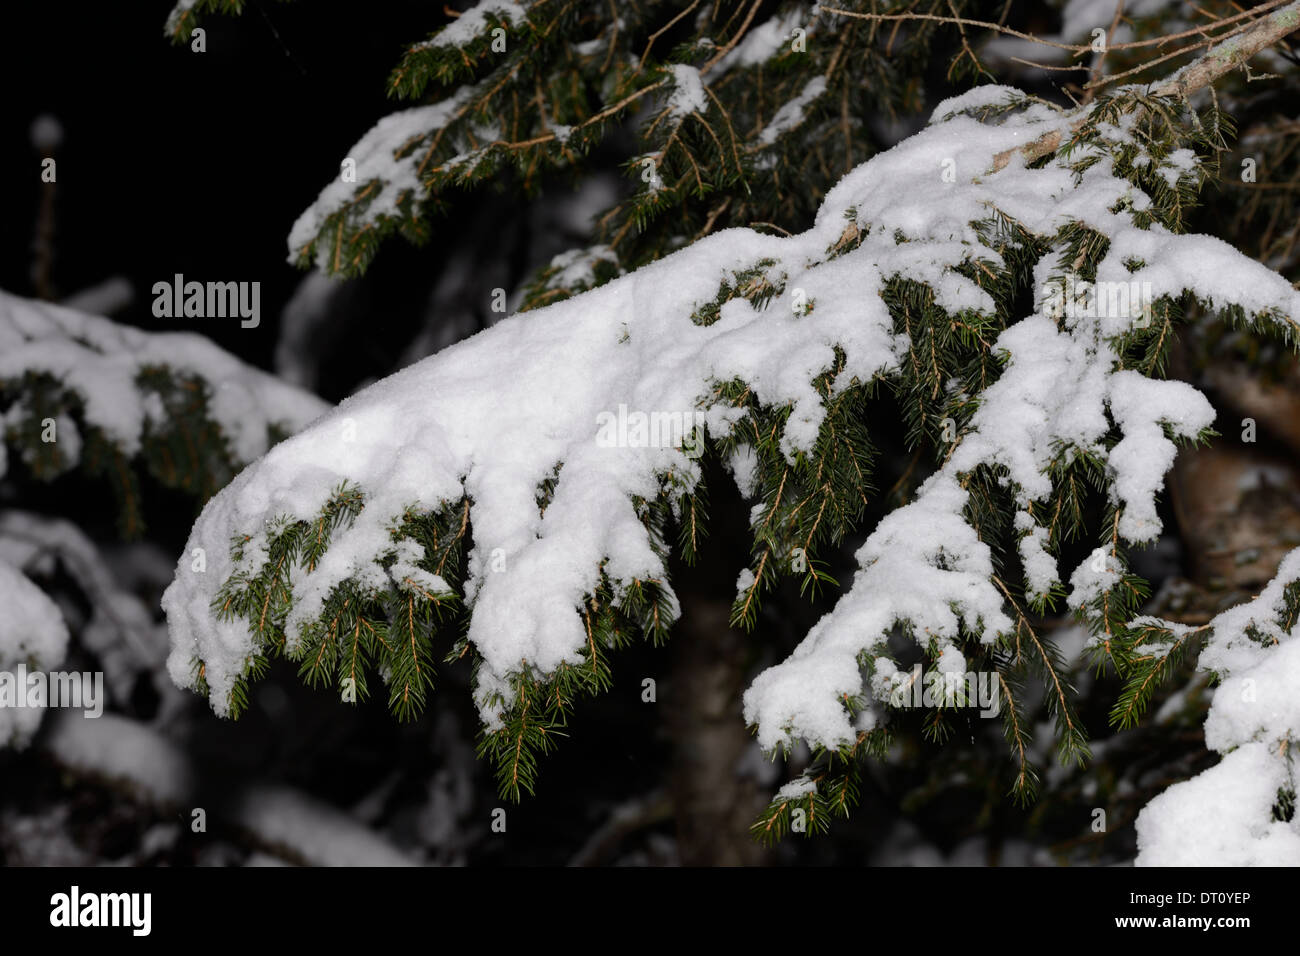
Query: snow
x,y
33,636
124,751
744,581
797,788
143,759
312,831
1041,572
764,41
1079,18
1221,817
1224,815
1140,406
791,114
1257,704
743,465
111,295
490,418
391,179
100,361
471,23
975,99
121,632
304,327
180,9
577,266
688,94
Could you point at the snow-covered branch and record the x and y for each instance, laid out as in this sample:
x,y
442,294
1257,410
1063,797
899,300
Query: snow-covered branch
x,y
80,390
558,446
33,638
1228,815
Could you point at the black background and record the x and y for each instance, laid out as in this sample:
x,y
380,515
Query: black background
x,y
198,163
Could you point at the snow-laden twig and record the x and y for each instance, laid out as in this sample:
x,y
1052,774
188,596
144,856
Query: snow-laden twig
x,y
33,638
1228,815
101,363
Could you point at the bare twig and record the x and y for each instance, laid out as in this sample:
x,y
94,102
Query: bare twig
x,y
1197,75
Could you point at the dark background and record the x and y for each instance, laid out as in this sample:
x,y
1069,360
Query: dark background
x,y
198,163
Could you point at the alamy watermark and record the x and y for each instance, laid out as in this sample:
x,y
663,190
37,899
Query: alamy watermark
x,y
72,690
1078,298
945,689
635,429
133,911
208,300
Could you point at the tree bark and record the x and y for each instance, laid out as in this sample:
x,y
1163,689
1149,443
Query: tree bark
x,y
714,802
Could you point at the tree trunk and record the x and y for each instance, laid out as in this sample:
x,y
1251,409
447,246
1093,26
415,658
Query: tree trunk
x,y
714,801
